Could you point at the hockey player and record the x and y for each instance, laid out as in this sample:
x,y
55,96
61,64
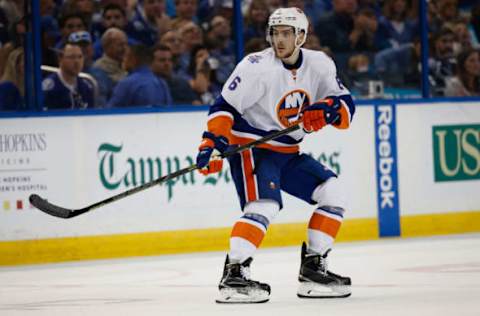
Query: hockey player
x,y
271,90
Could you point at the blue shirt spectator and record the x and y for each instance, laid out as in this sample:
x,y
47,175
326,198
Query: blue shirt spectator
x,y
399,66
395,25
397,33
162,66
141,88
65,89
222,48
58,94
144,23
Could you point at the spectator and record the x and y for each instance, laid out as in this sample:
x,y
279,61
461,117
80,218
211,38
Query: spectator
x,y
442,59
85,8
226,9
50,32
433,19
10,12
312,8
208,9
370,4
186,11
113,15
359,73
447,10
463,39
395,24
256,44
127,5
114,43
149,22
221,47
275,4
335,29
312,42
474,26
12,83
467,79
70,23
65,89
192,36
162,65
17,32
400,66
84,40
256,20
13,10
201,75
345,32
365,35
173,40
15,39
141,87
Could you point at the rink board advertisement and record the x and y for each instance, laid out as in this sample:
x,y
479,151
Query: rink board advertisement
x,y
397,163
439,163
84,159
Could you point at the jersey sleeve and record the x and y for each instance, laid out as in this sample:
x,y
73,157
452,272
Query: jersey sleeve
x,y
330,84
244,87
332,87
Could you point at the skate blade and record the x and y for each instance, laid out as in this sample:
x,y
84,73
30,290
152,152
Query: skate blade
x,y
243,296
315,290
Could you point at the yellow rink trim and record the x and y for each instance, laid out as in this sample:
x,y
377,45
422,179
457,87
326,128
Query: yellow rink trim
x,y
440,224
215,239
158,243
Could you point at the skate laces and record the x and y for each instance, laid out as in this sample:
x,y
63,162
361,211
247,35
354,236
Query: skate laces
x,y
323,263
245,272
320,260
240,269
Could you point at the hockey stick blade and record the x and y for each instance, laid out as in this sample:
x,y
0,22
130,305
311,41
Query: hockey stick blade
x,y
49,208
57,211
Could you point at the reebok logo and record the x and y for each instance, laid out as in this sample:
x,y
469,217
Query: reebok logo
x,y
385,153
386,161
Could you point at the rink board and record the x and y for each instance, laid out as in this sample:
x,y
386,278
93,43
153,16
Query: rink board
x,y
385,163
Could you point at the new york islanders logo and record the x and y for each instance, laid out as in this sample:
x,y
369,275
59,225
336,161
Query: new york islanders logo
x,y
291,105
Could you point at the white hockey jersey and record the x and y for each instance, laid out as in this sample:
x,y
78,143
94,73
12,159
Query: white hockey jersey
x,y
262,95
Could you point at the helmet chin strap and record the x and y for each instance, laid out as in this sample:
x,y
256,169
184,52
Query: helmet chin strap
x,y
293,56
296,52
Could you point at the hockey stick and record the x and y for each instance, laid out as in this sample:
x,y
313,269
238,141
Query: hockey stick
x,y
54,210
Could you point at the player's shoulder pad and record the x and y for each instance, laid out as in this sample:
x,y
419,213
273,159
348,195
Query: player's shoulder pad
x,y
257,62
320,61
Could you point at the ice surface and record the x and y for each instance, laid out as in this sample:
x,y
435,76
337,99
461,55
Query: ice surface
x,y
422,276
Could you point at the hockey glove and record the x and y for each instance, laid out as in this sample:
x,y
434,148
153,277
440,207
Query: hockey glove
x,y
208,158
319,114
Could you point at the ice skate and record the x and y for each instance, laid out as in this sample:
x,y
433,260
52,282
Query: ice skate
x,y
236,286
316,281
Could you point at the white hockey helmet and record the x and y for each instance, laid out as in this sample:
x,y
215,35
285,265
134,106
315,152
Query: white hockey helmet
x,y
289,16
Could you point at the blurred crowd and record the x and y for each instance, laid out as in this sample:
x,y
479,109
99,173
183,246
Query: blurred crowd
x,y
125,53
